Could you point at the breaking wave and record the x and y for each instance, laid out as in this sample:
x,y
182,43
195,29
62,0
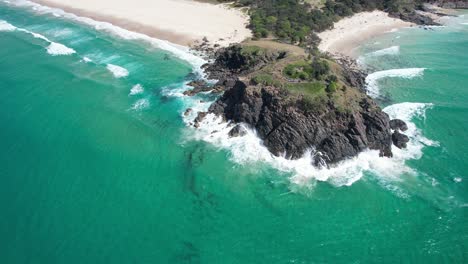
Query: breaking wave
x,y
394,50
249,149
5,26
373,78
56,49
117,71
53,49
179,51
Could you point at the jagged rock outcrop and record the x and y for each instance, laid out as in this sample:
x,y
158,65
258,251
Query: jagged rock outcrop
x,y
286,128
414,17
234,60
398,124
399,140
287,124
453,4
237,131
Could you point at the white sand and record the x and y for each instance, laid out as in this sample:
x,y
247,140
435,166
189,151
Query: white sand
x,y
349,33
178,21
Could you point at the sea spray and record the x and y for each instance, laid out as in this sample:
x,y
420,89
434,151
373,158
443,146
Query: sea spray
x,y
249,148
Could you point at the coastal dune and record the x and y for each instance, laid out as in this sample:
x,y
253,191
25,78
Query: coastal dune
x,y
350,32
179,21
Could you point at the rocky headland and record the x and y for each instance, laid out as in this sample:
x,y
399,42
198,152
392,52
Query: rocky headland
x,y
329,113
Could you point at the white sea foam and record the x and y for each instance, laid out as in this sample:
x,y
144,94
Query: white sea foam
x,y
249,149
86,59
117,71
141,104
5,26
394,50
373,78
56,49
137,89
179,51
464,23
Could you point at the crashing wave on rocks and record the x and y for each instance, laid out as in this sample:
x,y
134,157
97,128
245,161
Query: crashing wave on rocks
x,y
249,149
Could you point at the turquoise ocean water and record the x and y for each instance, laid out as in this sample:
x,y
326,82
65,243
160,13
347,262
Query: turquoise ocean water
x,y
98,166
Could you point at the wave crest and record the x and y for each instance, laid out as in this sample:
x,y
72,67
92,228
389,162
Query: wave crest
x,y
117,71
393,50
179,51
56,49
249,149
373,78
5,26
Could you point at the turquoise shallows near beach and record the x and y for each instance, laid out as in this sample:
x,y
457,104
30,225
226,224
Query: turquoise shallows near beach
x,y
97,164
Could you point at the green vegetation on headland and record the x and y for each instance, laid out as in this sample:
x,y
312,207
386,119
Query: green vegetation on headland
x,y
314,79
302,99
294,21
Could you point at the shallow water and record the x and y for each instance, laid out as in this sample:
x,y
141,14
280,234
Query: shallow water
x,y
98,165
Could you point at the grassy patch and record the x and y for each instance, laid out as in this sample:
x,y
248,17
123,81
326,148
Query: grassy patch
x,y
266,79
309,90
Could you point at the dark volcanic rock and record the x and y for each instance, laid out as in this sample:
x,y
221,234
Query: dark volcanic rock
x,y
236,60
199,118
200,86
414,17
398,124
287,129
399,139
237,131
453,4
188,111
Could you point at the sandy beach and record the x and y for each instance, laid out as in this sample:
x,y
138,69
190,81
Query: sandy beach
x,y
179,21
349,33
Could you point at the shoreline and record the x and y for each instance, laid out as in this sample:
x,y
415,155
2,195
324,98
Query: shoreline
x,y
349,33
146,20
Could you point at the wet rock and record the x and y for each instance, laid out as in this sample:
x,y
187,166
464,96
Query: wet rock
x,y
286,128
188,111
199,118
398,124
237,131
399,139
